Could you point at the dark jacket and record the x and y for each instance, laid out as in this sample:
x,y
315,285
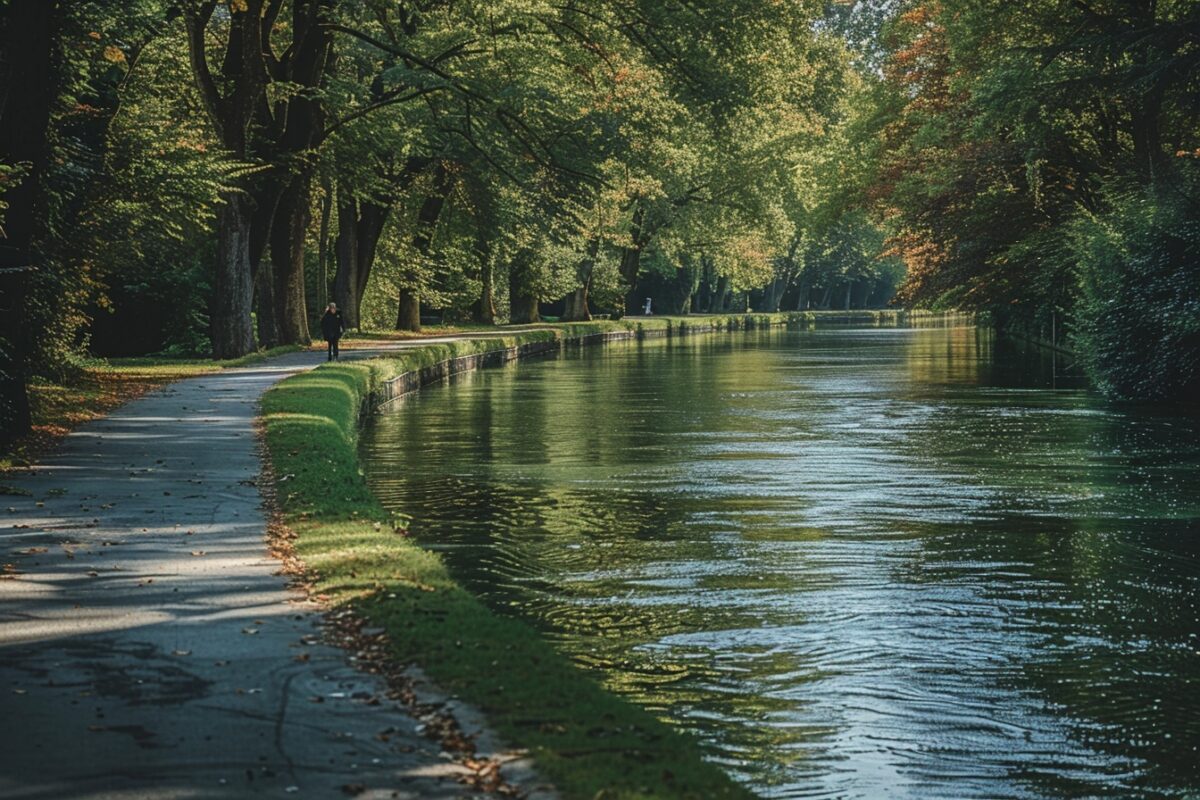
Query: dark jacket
x,y
332,325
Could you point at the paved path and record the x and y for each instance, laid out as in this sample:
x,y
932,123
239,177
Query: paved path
x,y
148,647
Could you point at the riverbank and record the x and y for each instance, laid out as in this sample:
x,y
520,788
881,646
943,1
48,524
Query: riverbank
x,y
357,556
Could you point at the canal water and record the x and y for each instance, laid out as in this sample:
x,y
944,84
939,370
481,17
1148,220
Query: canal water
x,y
855,562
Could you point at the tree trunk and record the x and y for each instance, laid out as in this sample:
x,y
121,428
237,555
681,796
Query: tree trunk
x,y
631,256
244,76
287,262
265,307
232,334
687,282
849,289
522,302
323,247
576,306
774,294
408,319
576,309
263,201
484,309
288,127
360,224
409,316
802,297
345,282
702,300
27,74
720,299
372,217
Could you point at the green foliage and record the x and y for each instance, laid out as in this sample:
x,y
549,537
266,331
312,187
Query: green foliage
x,y
1038,161
130,195
1138,318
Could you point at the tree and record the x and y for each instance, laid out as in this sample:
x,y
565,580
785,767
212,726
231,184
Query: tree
x,y
28,47
231,105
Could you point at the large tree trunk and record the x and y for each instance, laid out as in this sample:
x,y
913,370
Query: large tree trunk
x,y
243,76
721,296
293,125
772,294
265,307
360,224
233,290
345,282
576,306
522,302
29,34
287,262
577,301
702,300
631,257
802,297
484,309
681,287
372,217
263,202
323,246
408,317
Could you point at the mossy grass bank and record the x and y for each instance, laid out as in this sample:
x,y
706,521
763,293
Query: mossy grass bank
x,y
589,742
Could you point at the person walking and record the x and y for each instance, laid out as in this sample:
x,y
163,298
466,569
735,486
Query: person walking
x,y
332,328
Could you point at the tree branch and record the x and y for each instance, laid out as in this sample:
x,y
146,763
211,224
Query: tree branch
x,y
197,23
386,100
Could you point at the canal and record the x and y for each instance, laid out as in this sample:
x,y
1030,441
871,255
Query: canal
x,y
854,562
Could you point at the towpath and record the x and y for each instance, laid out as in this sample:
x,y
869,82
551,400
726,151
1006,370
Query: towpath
x,y
148,645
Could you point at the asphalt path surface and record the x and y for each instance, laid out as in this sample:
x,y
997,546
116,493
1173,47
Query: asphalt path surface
x,y
149,646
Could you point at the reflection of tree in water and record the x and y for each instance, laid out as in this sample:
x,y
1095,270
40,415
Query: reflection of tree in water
x,y
1086,547
527,476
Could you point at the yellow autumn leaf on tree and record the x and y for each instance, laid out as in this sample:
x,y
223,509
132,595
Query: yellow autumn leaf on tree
x,y
236,6
114,54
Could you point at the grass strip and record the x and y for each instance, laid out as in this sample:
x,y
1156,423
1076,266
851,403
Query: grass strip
x,y
591,743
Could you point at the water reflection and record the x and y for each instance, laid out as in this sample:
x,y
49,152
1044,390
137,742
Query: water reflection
x,y
857,562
